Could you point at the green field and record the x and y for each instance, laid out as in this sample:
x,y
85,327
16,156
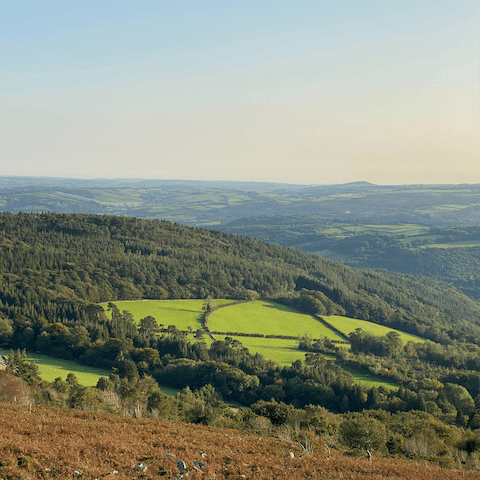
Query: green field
x,y
284,352
52,368
267,318
347,325
464,244
370,380
181,313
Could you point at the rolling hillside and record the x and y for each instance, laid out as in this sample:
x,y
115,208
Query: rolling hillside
x,y
54,265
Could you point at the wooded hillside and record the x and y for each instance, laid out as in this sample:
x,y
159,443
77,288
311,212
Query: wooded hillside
x,y
53,265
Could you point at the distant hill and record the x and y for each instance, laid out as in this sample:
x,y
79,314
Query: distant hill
x,y
212,203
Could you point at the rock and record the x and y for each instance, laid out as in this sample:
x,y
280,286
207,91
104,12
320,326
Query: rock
x,y
290,455
181,465
203,455
169,455
200,464
140,467
77,474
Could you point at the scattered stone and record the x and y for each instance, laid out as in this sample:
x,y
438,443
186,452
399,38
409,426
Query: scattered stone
x,y
181,465
140,467
290,455
115,472
169,455
203,455
77,474
200,464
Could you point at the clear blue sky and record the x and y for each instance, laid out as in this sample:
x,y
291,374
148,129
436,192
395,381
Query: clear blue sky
x,y
304,92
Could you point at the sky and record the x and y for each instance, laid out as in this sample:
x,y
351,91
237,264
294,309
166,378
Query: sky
x,y
314,92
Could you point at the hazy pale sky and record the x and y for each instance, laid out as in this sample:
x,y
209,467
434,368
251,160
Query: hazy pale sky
x,y
304,92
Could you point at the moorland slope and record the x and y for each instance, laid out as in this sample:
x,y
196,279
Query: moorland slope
x,y
47,443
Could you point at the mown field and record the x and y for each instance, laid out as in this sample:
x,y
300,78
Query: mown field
x,y
267,318
181,313
52,368
282,351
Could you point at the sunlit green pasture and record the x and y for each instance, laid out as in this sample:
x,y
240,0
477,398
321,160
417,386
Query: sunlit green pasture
x,y
370,380
267,318
181,313
284,352
465,244
52,368
347,325
353,228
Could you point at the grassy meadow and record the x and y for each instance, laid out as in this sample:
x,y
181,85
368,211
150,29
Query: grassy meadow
x,y
181,313
52,368
267,318
282,351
